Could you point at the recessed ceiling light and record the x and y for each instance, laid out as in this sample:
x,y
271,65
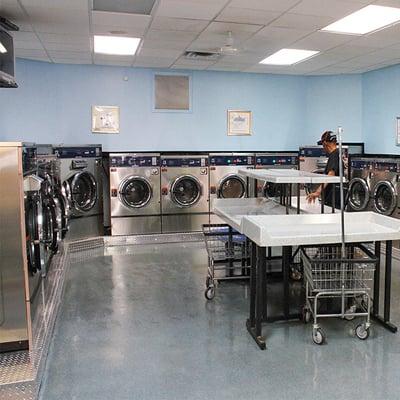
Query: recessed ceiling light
x,y
2,48
122,46
366,20
289,57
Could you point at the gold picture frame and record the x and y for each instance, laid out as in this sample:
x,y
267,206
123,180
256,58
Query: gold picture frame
x,y
239,122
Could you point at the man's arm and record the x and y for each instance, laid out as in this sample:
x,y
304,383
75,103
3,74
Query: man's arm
x,y
313,196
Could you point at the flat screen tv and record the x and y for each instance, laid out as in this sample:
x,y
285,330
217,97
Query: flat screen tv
x,y
7,60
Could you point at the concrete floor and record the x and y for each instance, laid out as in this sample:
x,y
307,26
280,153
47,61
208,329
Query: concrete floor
x,y
134,324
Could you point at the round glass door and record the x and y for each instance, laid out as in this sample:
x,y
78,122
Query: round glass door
x,y
50,224
358,194
384,198
33,227
186,191
135,192
272,190
84,191
232,187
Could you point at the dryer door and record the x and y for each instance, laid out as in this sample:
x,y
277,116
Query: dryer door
x,y
232,187
50,224
272,190
358,194
83,188
135,192
385,198
186,191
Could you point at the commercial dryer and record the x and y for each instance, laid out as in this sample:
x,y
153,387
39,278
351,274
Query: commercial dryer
x,y
225,182
184,193
135,193
80,172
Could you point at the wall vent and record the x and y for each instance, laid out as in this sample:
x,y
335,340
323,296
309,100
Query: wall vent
x,y
202,55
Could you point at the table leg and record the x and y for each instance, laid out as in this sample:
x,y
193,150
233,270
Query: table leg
x,y
286,257
298,197
377,279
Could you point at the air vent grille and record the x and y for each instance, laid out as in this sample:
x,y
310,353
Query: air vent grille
x,y
142,7
202,55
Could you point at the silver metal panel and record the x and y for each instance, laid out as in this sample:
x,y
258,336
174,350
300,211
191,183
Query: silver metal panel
x,y
85,227
184,222
119,175
170,174
15,313
135,225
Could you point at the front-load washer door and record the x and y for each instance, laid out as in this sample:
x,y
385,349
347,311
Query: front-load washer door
x,y
83,191
358,194
232,187
186,191
50,224
385,198
135,192
272,190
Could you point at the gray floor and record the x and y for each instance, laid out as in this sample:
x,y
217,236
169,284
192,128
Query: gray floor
x,y
134,324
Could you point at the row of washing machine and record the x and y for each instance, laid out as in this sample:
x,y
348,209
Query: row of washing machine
x,y
374,185
153,193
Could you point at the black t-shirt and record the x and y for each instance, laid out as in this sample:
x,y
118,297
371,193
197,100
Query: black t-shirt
x,y
332,165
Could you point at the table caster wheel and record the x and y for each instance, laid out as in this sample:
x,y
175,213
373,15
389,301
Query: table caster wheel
x,y
209,293
362,332
318,336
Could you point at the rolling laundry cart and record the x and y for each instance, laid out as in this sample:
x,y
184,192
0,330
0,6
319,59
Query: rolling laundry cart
x,y
228,256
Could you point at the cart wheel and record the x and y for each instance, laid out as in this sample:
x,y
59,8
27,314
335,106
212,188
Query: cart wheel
x,y
362,332
318,336
296,275
306,314
208,281
209,293
351,310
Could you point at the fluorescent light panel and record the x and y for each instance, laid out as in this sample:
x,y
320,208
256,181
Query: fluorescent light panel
x,y
2,48
116,45
366,20
289,57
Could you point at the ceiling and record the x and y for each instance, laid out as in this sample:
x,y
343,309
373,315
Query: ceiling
x,y
61,31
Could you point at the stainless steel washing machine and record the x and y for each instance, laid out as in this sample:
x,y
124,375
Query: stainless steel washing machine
x,y
386,188
184,193
135,193
275,160
80,171
361,184
225,182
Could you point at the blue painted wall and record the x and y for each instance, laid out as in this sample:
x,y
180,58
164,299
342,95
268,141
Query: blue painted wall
x,y
381,106
333,101
53,104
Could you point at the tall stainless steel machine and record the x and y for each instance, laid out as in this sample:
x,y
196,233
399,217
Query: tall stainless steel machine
x,y
18,283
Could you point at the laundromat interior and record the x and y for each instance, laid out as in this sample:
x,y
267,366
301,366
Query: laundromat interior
x,y
199,199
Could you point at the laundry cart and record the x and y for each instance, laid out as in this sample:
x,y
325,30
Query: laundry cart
x,y
330,275
228,256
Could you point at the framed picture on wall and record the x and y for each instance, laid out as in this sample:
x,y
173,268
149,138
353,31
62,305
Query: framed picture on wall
x,y
239,123
398,131
105,119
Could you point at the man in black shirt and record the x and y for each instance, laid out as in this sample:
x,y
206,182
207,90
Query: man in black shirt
x,y
328,141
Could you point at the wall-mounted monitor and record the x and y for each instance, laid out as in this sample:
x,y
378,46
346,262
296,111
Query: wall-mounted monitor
x,y
7,60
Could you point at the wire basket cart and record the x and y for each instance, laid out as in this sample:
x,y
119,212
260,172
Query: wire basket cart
x,y
228,256
328,274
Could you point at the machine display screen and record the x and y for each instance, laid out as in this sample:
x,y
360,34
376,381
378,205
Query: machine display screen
x,y
277,160
184,162
83,152
231,160
312,152
131,161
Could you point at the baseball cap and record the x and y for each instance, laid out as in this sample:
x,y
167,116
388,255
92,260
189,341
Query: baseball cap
x,y
327,136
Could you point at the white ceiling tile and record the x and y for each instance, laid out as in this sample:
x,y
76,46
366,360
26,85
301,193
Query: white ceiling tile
x,y
166,44
118,30
326,8
152,62
332,70
26,53
383,38
201,9
113,63
82,46
351,50
321,41
388,3
15,14
140,22
170,35
24,36
299,21
243,57
70,54
62,38
278,37
270,5
28,44
59,4
178,24
247,15
144,51
235,28
190,67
